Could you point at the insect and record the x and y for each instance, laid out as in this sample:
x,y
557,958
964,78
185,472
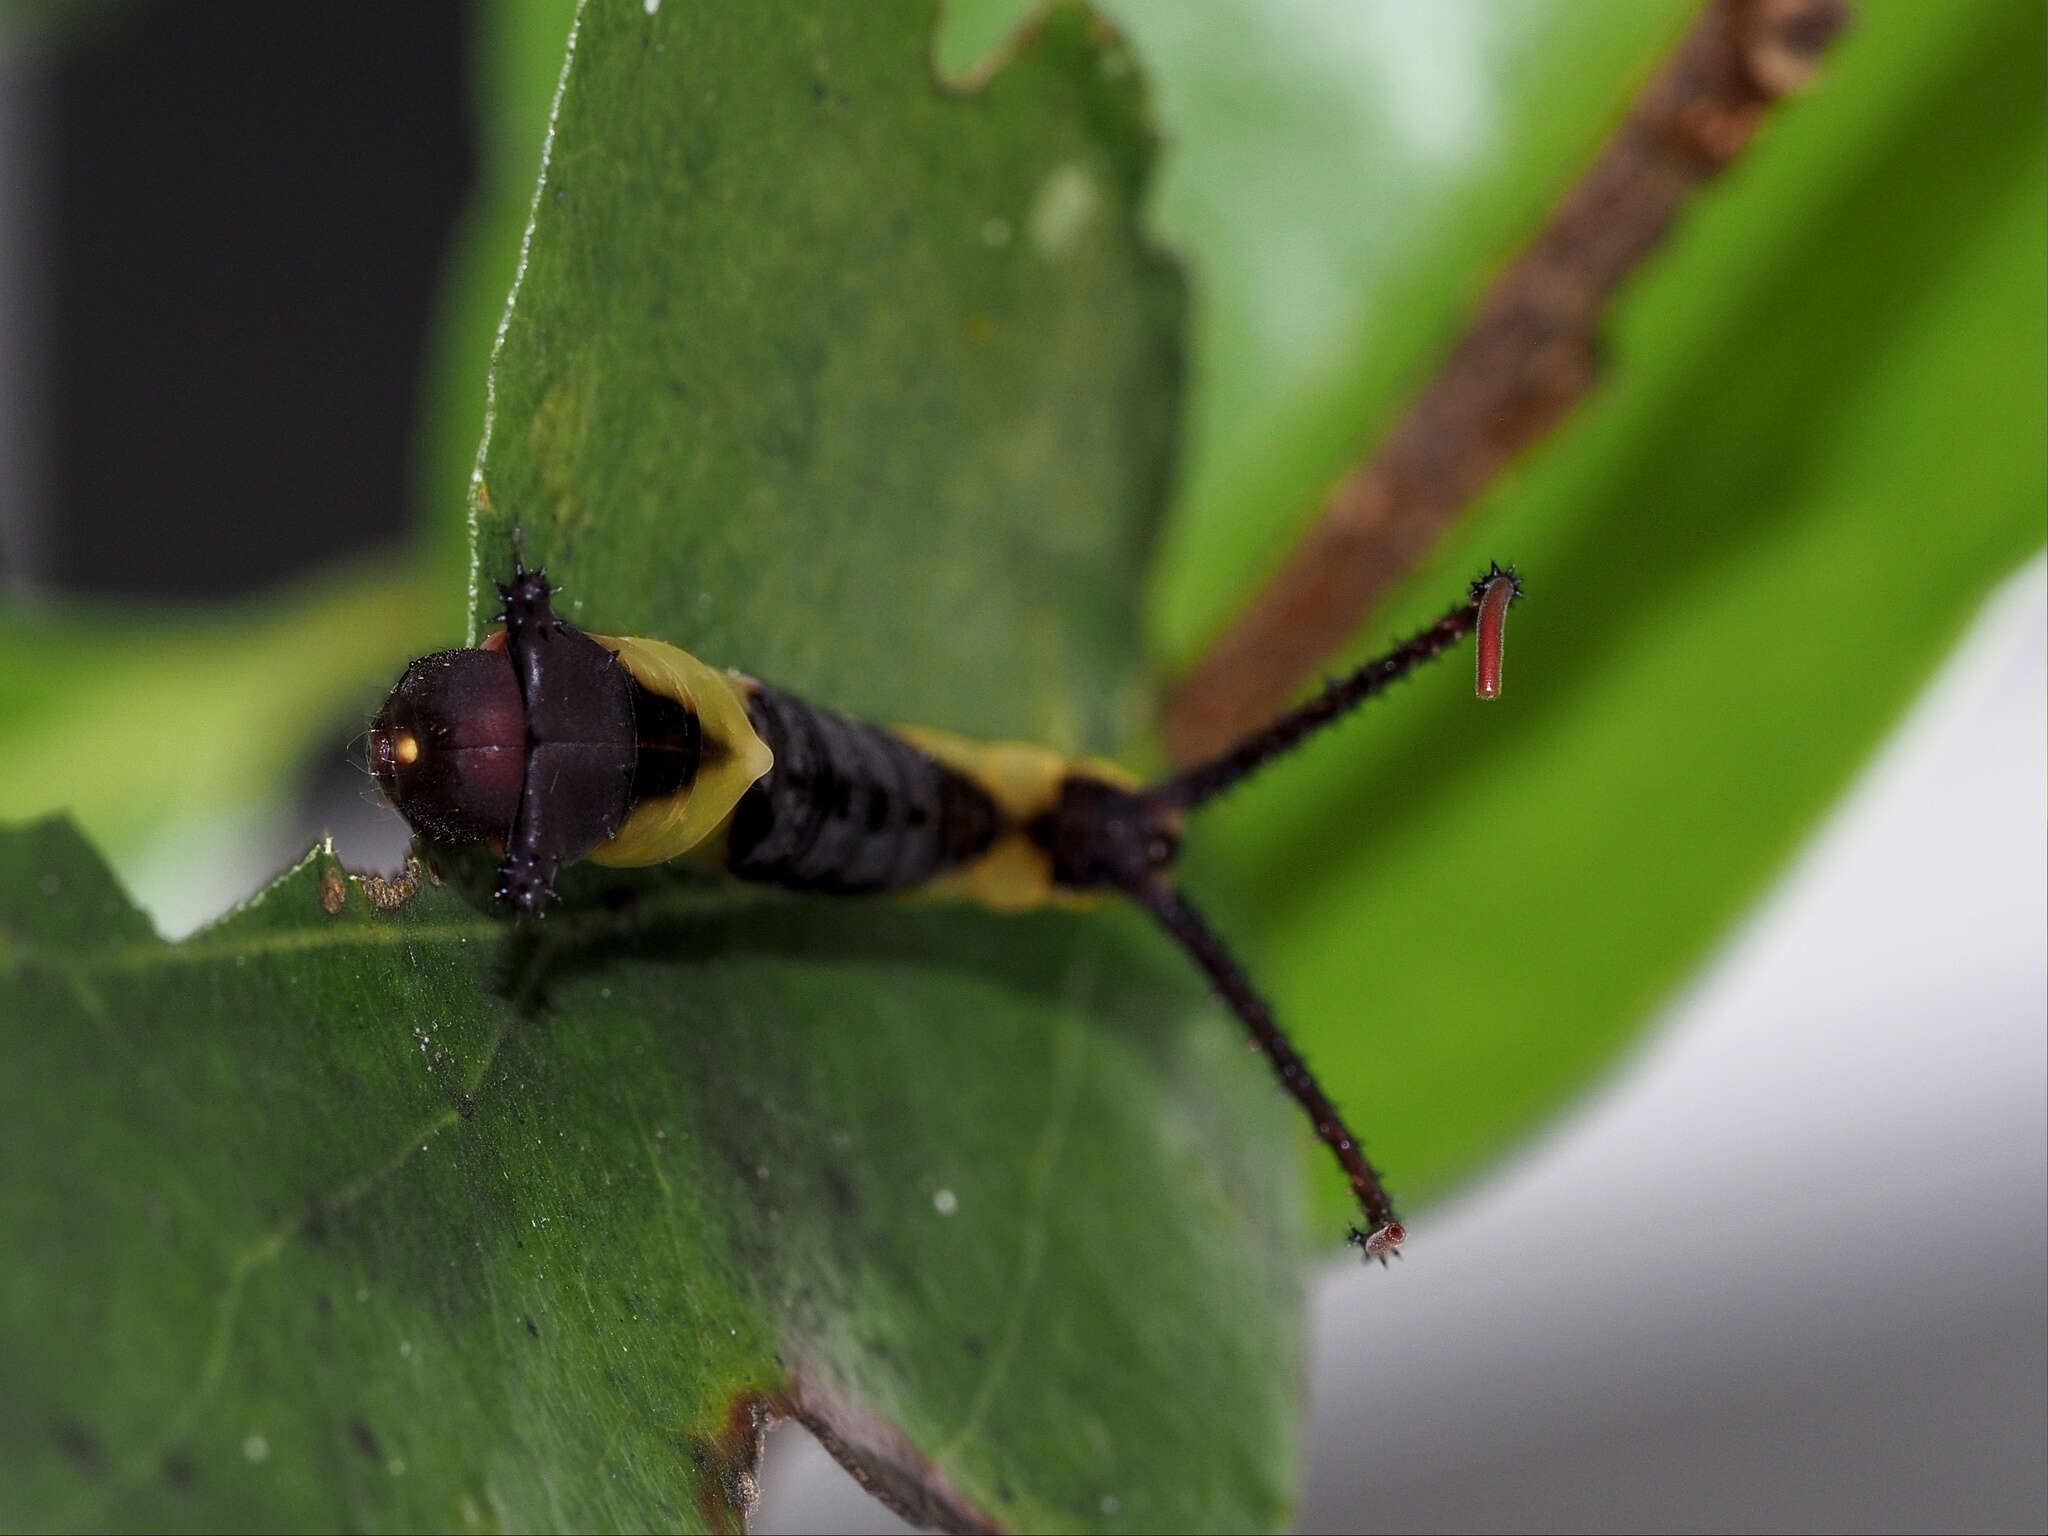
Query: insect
x,y
554,745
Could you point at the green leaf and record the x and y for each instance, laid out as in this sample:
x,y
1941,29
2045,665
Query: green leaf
x,y
857,376
332,1225
394,1216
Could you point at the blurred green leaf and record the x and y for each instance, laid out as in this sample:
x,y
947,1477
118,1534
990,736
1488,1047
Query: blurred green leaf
x,y
1819,445
392,1219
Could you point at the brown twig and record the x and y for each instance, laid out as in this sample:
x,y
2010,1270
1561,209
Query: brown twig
x,y
1525,360
878,1454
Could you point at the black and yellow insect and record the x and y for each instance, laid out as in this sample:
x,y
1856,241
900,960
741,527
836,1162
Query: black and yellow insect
x,y
555,745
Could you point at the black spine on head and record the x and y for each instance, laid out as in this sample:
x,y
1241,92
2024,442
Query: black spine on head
x,y
580,743
849,807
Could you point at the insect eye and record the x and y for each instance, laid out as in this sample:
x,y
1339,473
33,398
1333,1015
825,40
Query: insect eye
x,y
391,749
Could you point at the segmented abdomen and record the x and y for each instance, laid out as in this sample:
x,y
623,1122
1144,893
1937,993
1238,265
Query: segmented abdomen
x,y
850,807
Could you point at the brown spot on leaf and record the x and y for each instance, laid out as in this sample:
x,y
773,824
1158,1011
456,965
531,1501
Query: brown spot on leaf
x,y
363,1440
730,1464
845,1198
389,895
333,891
79,1445
178,1472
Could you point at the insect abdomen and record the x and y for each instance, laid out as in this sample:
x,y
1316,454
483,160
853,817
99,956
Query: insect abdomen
x,y
850,807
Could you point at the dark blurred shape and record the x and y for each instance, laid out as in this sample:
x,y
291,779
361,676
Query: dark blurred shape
x,y
251,208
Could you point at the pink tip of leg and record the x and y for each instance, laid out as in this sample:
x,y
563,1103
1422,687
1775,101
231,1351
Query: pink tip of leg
x,y
1492,625
1381,1241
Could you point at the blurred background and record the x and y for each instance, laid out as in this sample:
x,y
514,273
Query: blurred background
x,y
249,263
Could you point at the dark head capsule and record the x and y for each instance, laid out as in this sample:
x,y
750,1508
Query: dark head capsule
x,y
449,745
